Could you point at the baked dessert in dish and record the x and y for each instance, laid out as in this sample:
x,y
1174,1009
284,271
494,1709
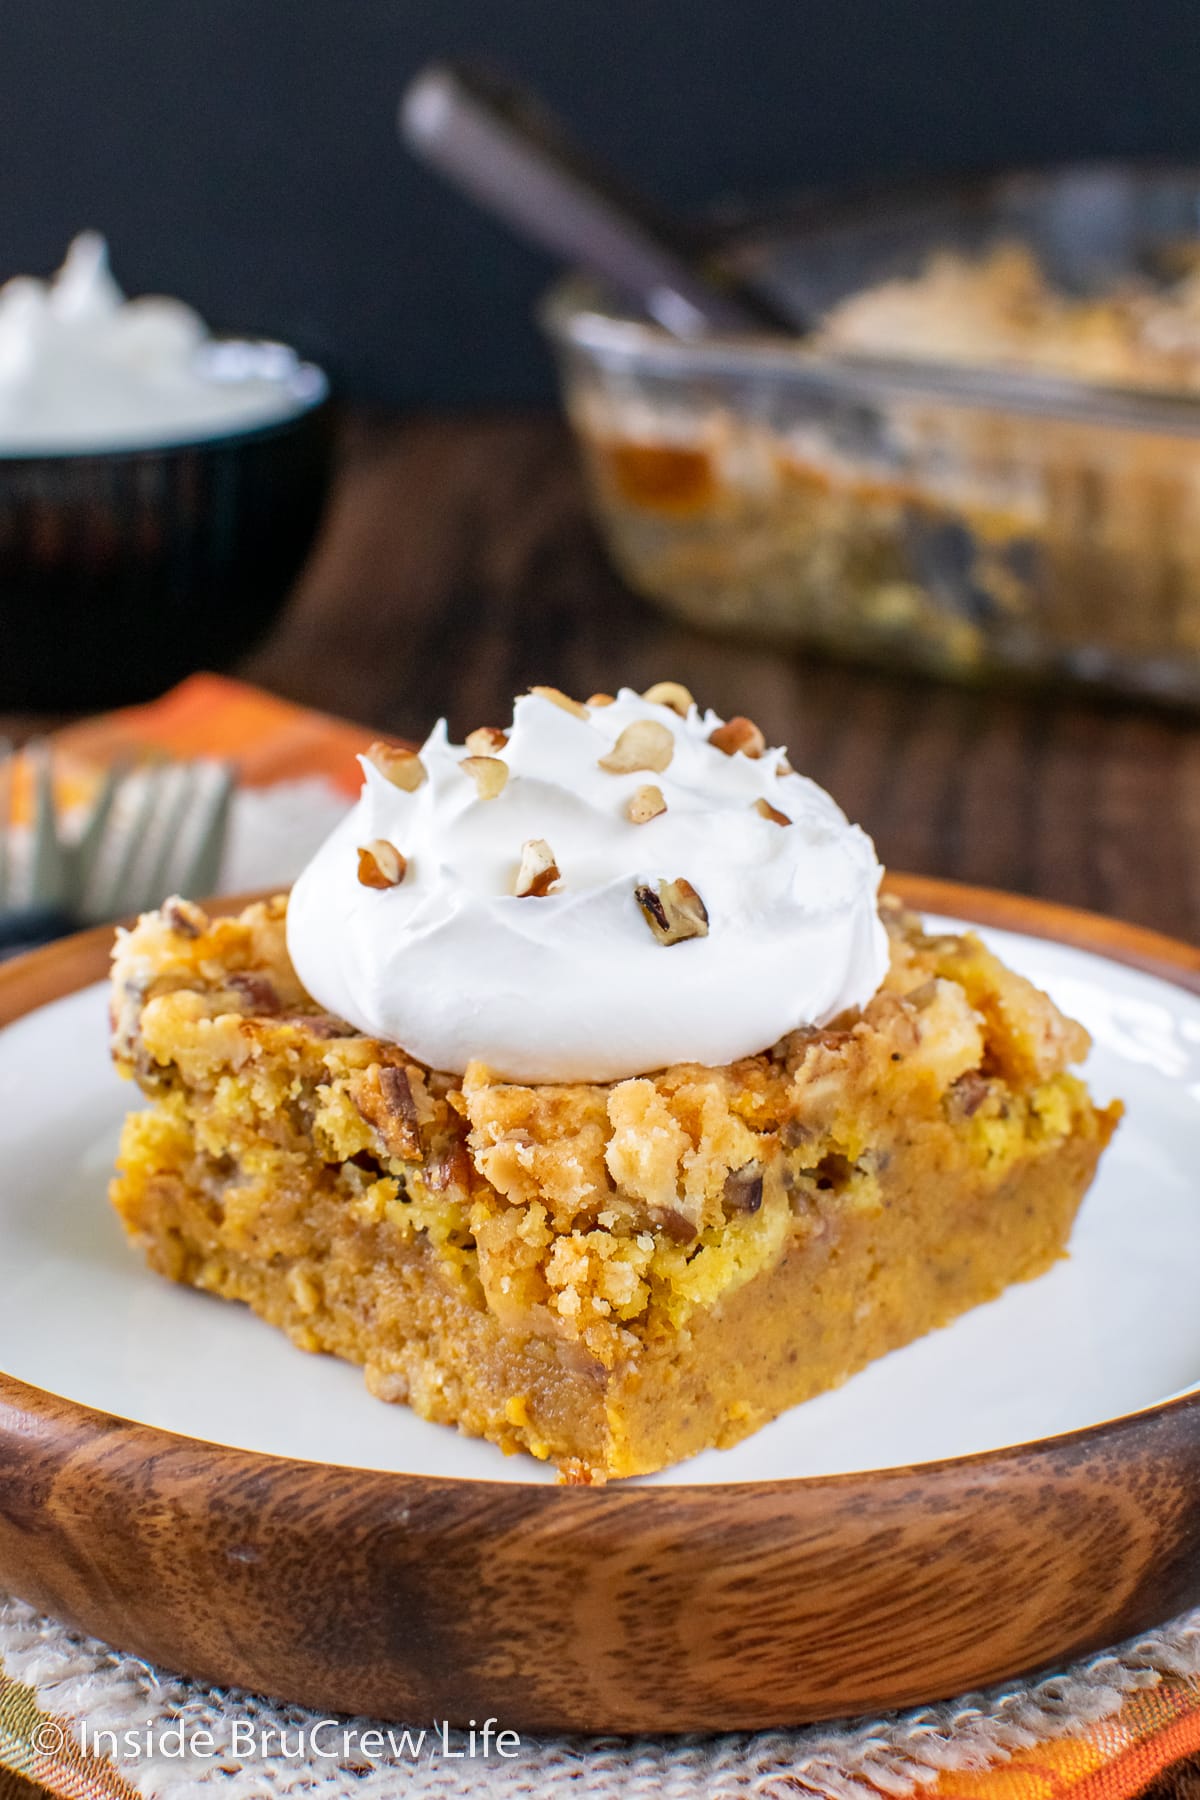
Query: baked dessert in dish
x,y
609,1261
984,459
1002,309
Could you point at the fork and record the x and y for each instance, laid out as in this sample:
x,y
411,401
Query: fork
x,y
152,829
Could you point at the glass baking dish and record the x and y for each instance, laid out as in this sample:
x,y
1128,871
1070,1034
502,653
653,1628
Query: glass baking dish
x,y
963,519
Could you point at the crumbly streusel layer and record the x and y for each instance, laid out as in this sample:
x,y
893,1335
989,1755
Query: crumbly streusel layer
x,y
613,1276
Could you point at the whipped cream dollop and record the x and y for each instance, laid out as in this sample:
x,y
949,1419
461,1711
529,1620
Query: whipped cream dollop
x,y
82,368
577,984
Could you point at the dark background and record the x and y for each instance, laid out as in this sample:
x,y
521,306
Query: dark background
x,y
242,153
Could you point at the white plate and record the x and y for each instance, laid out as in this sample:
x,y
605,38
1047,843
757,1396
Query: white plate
x,y
81,1317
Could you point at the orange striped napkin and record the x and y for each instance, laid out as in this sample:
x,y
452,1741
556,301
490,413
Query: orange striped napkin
x,y
268,739
1111,1760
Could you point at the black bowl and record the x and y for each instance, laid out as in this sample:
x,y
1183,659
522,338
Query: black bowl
x,y
123,570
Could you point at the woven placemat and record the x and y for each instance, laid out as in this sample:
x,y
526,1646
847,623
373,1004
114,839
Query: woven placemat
x,y
1106,1726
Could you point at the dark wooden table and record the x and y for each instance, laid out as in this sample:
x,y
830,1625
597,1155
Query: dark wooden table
x,y
458,566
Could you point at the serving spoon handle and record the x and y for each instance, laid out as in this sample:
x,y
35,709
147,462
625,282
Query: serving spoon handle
x,y
500,146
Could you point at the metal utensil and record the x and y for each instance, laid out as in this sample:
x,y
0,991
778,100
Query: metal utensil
x,y
501,147
154,829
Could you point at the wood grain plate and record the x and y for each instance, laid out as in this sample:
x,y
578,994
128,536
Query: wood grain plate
x,y
621,1609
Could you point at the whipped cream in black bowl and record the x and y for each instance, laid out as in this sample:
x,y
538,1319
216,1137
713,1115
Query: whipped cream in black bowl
x,y
160,488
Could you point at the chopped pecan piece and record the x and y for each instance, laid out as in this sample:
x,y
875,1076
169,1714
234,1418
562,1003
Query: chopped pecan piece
x,y
184,917
643,745
384,1097
771,812
672,694
647,803
258,993
451,1168
744,1188
485,740
489,774
673,910
403,768
321,1025
380,864
601,699
966,1095
739,734
558,698
397,1091
675,1224
538,872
